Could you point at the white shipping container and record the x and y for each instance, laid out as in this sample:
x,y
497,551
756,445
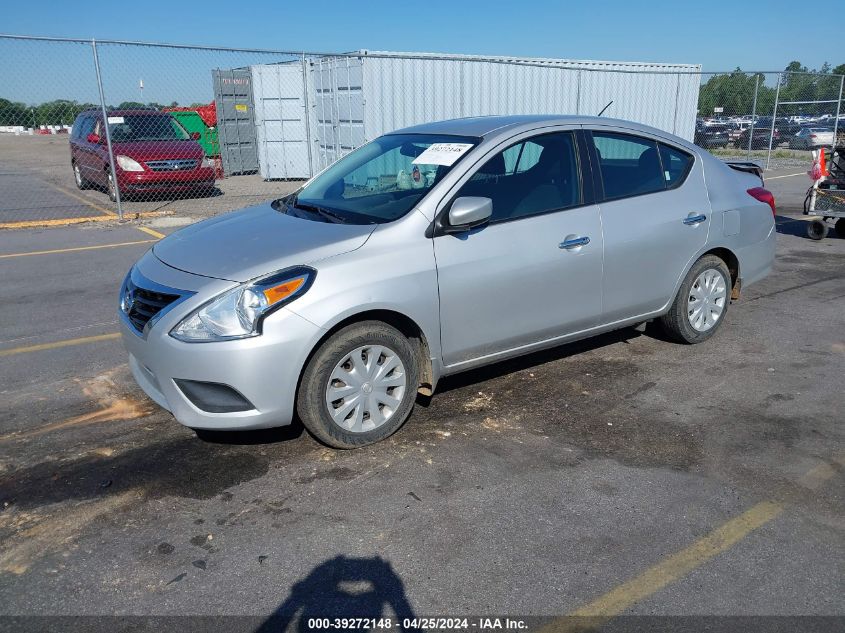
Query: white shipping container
x,y
307,120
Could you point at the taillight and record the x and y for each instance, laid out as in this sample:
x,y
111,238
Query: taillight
x,y
812,136
763,195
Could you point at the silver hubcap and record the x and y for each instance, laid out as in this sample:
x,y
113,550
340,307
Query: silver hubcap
x,y
706,301
366,388
77,174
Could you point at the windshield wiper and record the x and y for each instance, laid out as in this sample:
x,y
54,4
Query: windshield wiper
x,y
313,208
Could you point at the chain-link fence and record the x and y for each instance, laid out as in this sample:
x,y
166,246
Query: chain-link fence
x,y
103,128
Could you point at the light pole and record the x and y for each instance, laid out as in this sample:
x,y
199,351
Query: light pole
x,y
34,123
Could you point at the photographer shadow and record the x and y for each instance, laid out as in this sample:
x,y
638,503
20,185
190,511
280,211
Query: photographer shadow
x,y
342,587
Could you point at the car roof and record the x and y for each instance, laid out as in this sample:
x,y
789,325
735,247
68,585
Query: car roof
x,y
487,125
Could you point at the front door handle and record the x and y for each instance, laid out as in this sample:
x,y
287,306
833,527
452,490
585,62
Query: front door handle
x,y
695,219
575,242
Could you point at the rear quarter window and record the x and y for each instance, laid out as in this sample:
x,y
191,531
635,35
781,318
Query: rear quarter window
x,y
676,165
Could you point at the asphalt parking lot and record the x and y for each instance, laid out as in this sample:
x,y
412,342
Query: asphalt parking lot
x,y
624,475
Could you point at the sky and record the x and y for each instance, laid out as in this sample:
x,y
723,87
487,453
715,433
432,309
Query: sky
x,y
755,35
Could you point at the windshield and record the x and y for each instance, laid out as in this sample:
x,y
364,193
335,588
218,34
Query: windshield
x,y
385,179
146,127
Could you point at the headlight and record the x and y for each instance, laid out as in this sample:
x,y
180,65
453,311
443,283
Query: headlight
x,y
238,313
128,164
207,163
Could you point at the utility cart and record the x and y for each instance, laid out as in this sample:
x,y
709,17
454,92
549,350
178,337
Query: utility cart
x,y
826,197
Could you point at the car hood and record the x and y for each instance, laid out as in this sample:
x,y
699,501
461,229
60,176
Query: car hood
x,y
256,241
158,150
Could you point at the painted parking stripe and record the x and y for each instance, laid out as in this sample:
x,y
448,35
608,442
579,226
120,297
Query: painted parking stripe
x,y
150,231
57,344
680,564
803,173
77,328
34,224
81,199
76,249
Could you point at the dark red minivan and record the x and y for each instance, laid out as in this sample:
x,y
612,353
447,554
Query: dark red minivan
x,y
153,153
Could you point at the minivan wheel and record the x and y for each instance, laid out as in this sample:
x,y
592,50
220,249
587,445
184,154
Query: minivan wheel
x,y
112,190
81,182
360,385
701,303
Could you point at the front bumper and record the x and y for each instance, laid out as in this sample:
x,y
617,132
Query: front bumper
x,y
188,180
263,369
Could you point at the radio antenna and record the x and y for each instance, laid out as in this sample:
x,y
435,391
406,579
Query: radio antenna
x,y
604,108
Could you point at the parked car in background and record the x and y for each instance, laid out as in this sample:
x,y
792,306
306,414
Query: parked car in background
x,y
786,128
153,153
433,250
812,138
759,137
711,136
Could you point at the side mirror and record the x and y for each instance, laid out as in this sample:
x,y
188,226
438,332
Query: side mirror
x,y
195,136
469,212
93,138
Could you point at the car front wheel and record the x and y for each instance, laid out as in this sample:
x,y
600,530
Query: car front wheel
x,y
81,181
701,303
111,186
359,386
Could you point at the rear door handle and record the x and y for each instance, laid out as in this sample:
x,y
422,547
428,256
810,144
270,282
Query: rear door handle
x,y
575,242
695,219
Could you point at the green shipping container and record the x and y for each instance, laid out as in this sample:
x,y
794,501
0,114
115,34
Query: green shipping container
x,y
192,122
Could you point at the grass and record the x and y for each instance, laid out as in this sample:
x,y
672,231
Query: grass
x,y
776,153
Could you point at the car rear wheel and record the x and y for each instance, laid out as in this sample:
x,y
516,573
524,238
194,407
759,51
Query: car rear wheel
x,y
360,385
701,303
110,186
81,181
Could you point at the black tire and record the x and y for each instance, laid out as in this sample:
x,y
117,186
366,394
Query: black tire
x,y
111,186
816,230
676,323
81,182
310,402
839,227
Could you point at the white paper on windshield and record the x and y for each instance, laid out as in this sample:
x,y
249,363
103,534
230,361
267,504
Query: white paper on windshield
x,y
442,154
115,120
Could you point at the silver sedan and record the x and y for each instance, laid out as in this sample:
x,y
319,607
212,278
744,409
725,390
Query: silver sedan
x,y
433,250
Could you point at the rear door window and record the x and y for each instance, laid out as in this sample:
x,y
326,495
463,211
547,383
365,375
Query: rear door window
x,y
629,165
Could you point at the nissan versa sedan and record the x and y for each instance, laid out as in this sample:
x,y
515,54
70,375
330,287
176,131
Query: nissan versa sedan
x,y
433,250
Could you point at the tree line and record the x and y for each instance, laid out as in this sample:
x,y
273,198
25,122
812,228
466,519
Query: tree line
x,y
734,92
61,111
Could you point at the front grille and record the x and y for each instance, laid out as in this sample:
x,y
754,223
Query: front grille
x,y
145,304
175,164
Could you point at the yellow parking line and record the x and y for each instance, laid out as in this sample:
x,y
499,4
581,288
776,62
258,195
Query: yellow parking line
x,y
82,199
680,564
75,249
149,231
57,344
33,224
